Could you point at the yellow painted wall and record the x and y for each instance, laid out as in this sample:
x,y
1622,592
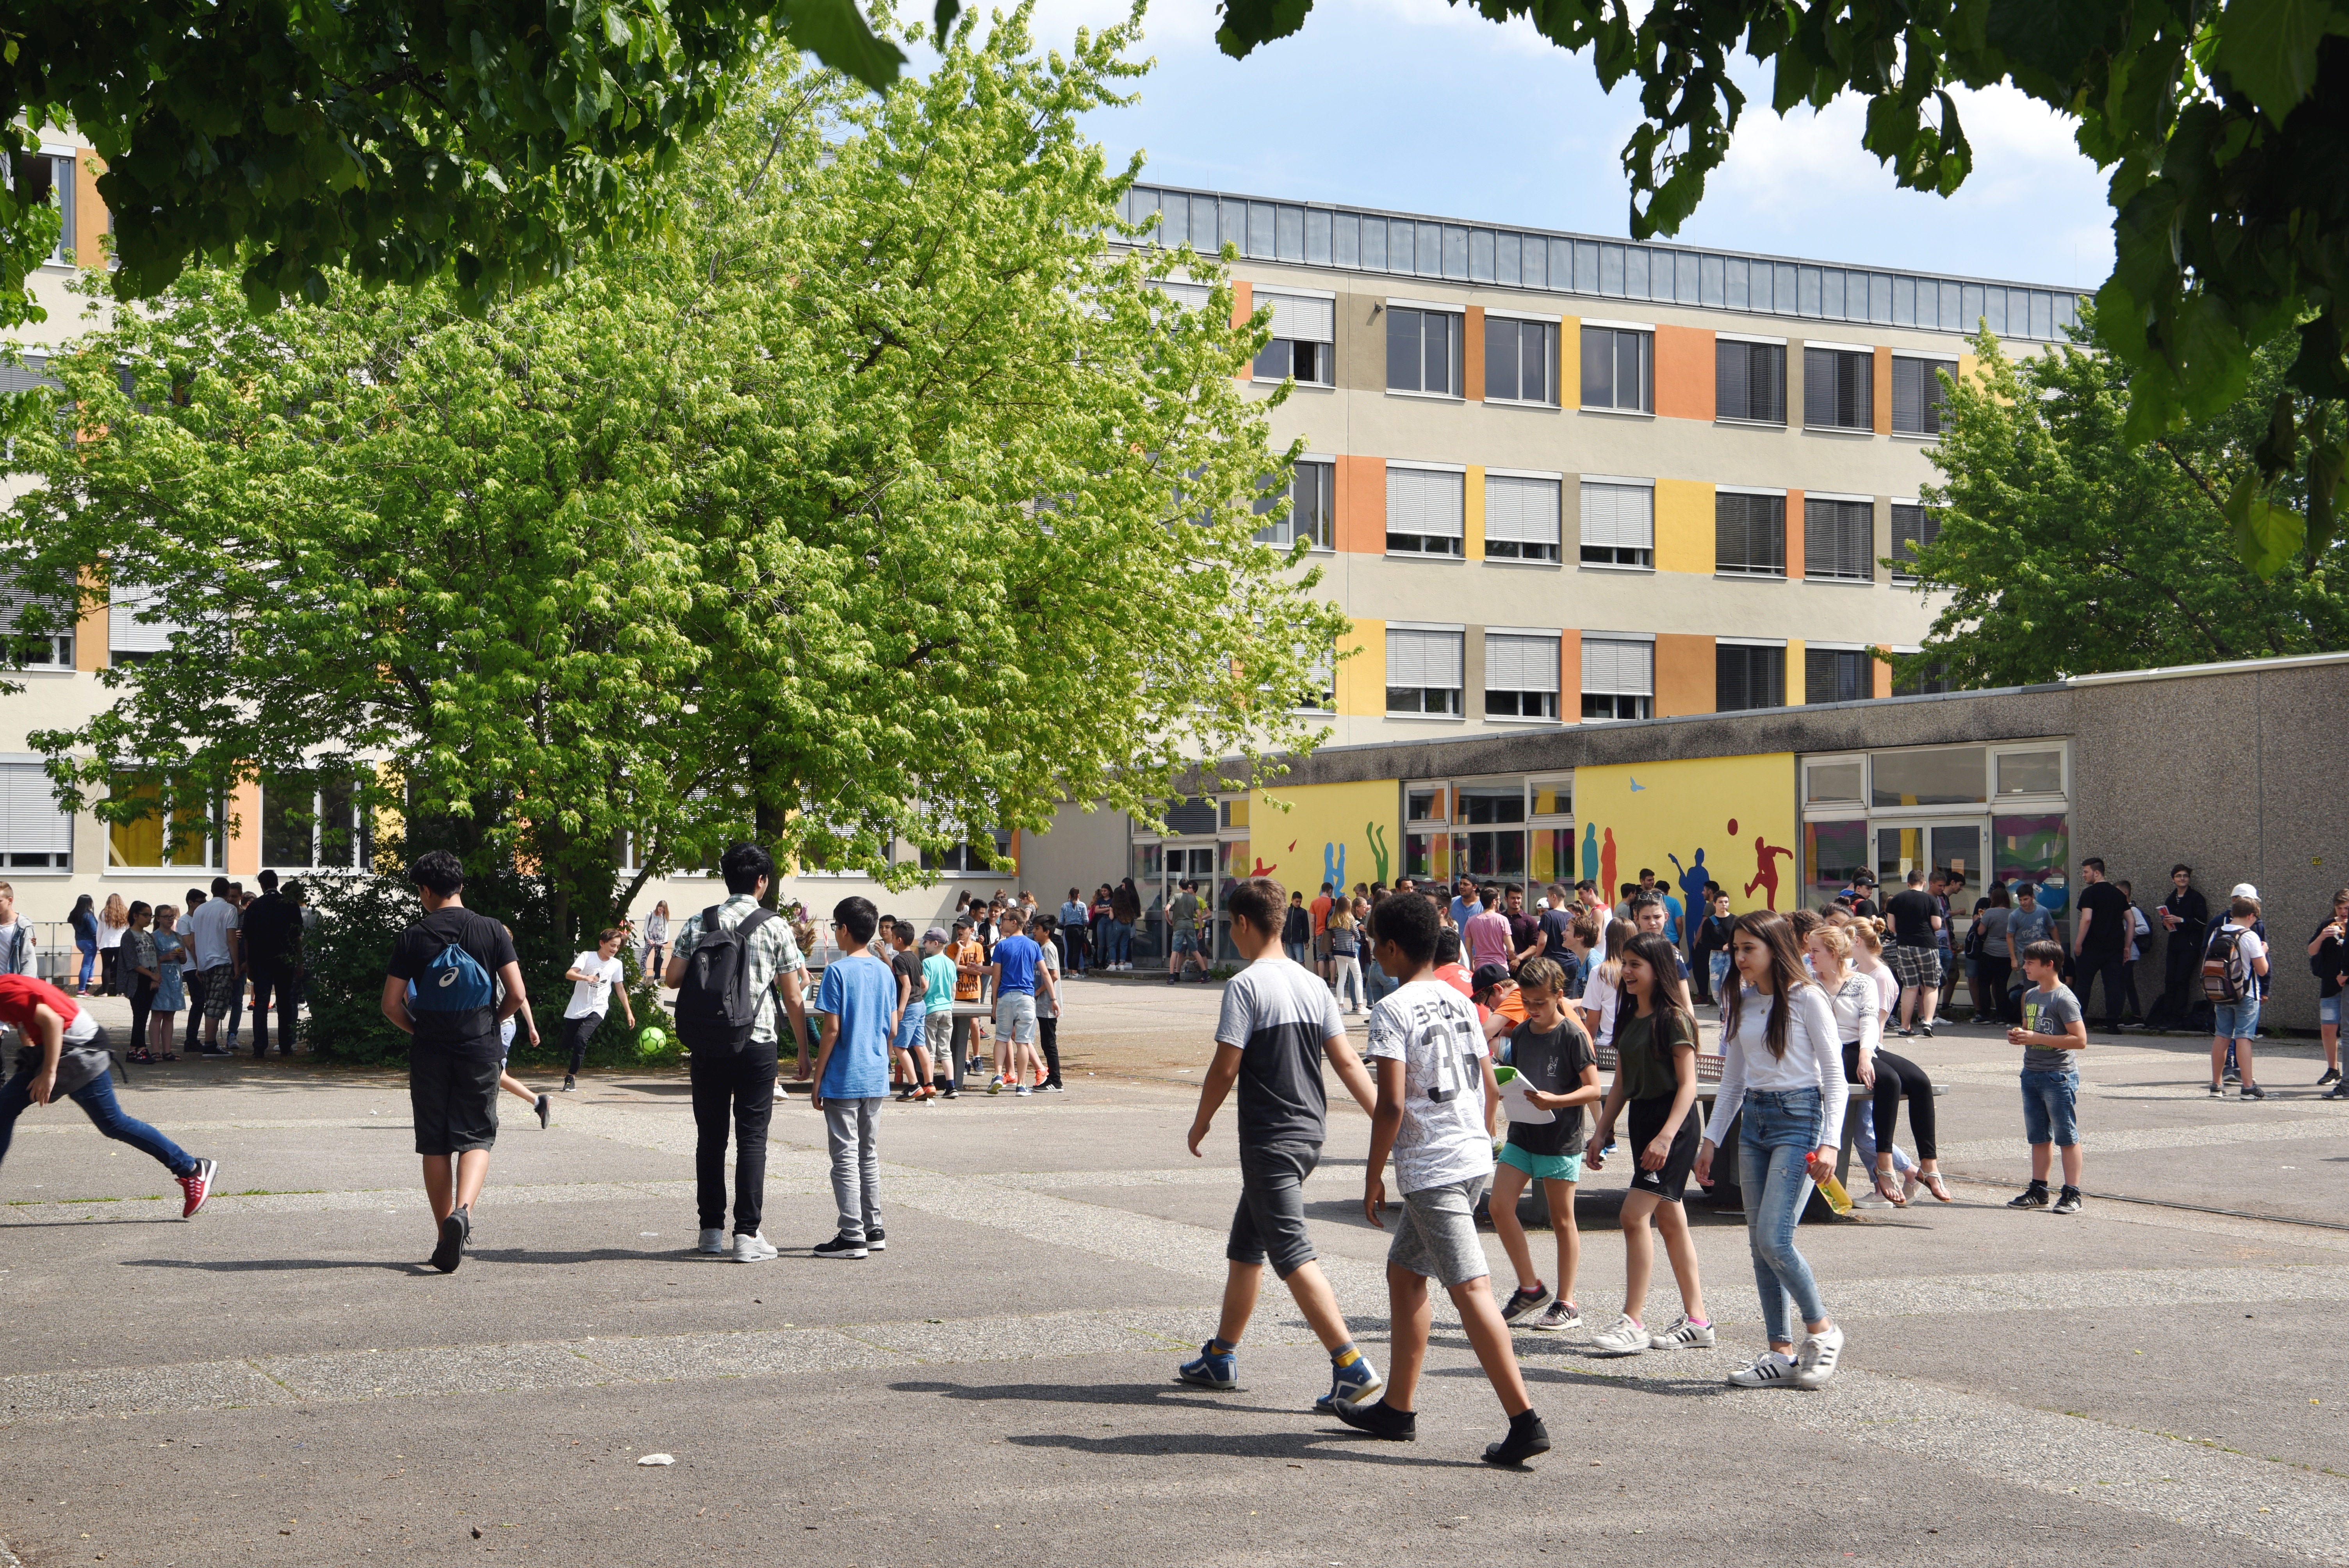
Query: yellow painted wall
x,y
1797,687
1711,812
1472,525
1569,362
1363,676
1684,526
1345,833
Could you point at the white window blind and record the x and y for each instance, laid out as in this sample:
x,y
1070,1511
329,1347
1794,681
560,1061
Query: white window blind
x,y
1423,658
1190,297
1302,319
30,822
1618,669
1524,510
126,633
1514,662
1427,501
1618,517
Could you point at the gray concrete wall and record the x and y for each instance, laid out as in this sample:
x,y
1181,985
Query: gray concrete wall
x,y
1083,850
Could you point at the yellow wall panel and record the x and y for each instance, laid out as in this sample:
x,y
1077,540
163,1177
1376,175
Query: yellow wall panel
x,y
1684,526
1473,521
1313,833
1730,819
1363,677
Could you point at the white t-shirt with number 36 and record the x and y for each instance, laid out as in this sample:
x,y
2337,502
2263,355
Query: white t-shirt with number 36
x,y
1432,1030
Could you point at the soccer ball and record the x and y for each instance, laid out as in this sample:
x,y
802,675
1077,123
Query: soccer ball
x,y
651,1041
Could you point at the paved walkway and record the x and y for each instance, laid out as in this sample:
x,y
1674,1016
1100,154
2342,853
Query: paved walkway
x,y
282,1381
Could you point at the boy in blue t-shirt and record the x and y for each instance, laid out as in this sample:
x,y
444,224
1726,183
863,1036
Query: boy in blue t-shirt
x,y
1018,970
858,1000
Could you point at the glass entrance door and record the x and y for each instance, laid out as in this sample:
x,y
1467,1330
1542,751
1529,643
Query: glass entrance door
x,y
1928,847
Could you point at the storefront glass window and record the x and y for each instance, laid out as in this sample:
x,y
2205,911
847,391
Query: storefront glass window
x,y
1833,781
1427,856
1944,776
1491,857
1480,805
1831,852
2031,773
1553,855
2033,849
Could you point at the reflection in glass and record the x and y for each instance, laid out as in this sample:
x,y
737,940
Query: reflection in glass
x,y
1553,797
1425,806
1945,776
1834,781
2031,773
1427,856
1831,852
1480,806
1491,857
2033,849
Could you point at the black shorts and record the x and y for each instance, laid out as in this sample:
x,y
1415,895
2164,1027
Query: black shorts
x,y
1648,1118
452,1091
1271,1213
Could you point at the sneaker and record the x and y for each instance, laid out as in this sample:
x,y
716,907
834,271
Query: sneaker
x,y
2252,1091
1528,1437
838,1247
232,1044
713,1243
1683,1335
2067,1201
2217,1092
1215,1369
781,1092
1528,1300
2231,1076
1624,1339
450,1251
752,1247
1771,1369
876,1240
1023,1091
198,1186
1381,1420
1814,1362
570,1084
2338,1091
2032,1197
1906,1032
211,1051
2332,1074
544,1106
1350,1386
1039,1079
1558,1314
1924,1029
995,1086
1051,1089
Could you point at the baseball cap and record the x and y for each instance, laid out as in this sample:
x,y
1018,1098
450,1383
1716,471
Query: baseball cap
x,y
2244,890
935,934
1488,975
962,922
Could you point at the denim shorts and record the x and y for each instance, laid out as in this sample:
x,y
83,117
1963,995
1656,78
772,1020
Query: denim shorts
x,y
2051,1107
1186,940
1543,1167
2239,1020
2328,1010
914,1026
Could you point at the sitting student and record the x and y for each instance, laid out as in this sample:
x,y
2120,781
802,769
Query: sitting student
x,y
1553,1059
2052,1029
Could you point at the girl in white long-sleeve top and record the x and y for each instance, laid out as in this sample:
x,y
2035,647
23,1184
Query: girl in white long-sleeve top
x,y
1783,1065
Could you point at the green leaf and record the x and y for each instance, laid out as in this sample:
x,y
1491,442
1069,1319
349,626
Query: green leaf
x,y
835,32
2268,47
2266,536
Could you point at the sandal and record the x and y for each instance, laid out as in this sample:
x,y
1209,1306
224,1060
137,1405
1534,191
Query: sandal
x,y
1887,1187
1934,1184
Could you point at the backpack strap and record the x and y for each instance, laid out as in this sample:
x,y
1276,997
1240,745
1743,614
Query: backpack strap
x,y
709,918
752,921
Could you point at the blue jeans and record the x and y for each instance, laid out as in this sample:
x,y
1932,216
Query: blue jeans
x,y
2051,1107
96,1100
1780,1128
1299,952
89,958
1716,962
1117,942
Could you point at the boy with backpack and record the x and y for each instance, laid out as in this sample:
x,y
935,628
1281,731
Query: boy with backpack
x,y
735,966
2234,967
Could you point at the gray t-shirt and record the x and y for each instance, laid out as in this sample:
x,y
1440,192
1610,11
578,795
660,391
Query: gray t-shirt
x,y
2027,927
1279,1014
2048,1013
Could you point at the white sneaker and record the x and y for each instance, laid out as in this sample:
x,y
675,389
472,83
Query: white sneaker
x,y
1624,1339
714,1243
1683,1335
781,1092
1770,1369
1814,1362
752,1249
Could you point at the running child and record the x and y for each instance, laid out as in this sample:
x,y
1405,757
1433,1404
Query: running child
x,y
593,975
1553,1059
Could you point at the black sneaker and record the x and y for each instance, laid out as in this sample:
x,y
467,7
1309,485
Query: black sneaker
x,y
2032,1197
1381,1420
1525,1302
2067,1201
2217,1092
876,1240
1528,1437
2338,1091
545,1108
838,1247
1926,1030
570,1084
2230,1076
2332,1074
451,1252
2252,1091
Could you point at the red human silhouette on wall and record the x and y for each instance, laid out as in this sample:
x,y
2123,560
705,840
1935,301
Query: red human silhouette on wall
x,y
1765,866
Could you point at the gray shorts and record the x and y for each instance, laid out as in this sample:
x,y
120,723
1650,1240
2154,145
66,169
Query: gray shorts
x,y
937,1029
1014,1018
1270,1218
1437,1233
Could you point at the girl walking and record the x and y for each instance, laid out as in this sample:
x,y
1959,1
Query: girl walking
x,y
656,941
1345,959
1781,1068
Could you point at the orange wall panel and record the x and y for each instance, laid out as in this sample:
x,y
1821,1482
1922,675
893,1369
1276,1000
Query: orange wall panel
x,y
1569,676
1793,533
244,840
1472,360
1363,505
1684,674
93,629
1685,372
1883,398
1883,672
89,212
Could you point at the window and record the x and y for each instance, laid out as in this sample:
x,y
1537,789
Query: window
x,y
1618,369
1319,695
1917,393
2031,773
35,836
1422,351
1838,386
1425,511
1749,535
128,637
1618,524
1189,296
1312,505
1745,675
317,821
1424,671
45,179
971,859
1520,517
1838,539
35,634
1520,360
1935,678
1304,332
1937,776
193,839
1520,675
1835,782
1837,674
1749,381
1913,528
1619,678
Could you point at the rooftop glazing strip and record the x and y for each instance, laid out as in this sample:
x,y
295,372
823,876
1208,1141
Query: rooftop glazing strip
x,y
1356,239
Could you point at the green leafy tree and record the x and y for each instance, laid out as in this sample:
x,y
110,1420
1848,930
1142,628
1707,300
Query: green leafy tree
x,y
2064,549
2221,126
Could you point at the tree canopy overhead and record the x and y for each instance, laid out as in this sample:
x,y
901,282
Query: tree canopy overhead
x,y
2226,130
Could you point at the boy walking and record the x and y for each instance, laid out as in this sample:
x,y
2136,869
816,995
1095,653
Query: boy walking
x,y
1553,1059
1278,1021
1437,1104
2052,1029
858,999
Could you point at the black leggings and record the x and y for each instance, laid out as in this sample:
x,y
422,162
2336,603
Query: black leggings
x,y
142,998
1895,1077
1047,1039
1990,981
576,1033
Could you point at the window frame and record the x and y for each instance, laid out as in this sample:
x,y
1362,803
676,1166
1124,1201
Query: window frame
x,y
1456,543
1901,576
14,861
1583,547
1553,330
1930,408
1744,344
1812,653
1747,649
1645,407
1551,698
1644,703
1454,695
1773,573
1515,551
1458,369
1839,519
1324,481
360,828
1324,372
1856,420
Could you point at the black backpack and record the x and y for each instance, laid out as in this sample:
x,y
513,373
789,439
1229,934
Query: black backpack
x,y
714,1005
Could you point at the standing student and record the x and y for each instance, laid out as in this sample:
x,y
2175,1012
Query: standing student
x,y
170,993
2051,1030
1709,959
2100,943
1278,1021
1182,934
2028,924
1049,992
83,922
1320,909
1296,930
1992,963
272,939
113,920
1437,1107
1485,934
2185,917
1553,1059
593,974
139,972
912,1043
454,959
1781,1068
937,1013
1075,932
1916,953
2242,958
1018,972
970,957
17,940
655,939
212,933
1345,960
857,999
1655,1077
2328,950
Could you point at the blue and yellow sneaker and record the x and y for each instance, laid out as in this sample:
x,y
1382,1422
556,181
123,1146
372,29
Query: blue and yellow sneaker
x,y
1215,1369
1350,1384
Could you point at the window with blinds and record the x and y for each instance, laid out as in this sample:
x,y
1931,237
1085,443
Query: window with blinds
x,y
1190,297
1619,525
35,634
1839,389
1520,675
1913,528
1839,539
1304,335
1749,381
1619,678
1618,369
1312,496
35,836
1749,535
1424,671
1917,395
135,629
1520,517
1426,511
1837,674
1745,676
1422,351
1520,360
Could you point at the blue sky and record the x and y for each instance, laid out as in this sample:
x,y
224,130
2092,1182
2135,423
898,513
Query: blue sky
x,y
1418,106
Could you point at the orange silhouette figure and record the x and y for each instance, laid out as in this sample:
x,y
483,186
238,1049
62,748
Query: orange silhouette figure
x,y
1607,869
1766,869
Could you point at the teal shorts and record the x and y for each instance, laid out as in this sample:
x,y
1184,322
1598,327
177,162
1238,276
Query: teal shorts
x,y
1543,1167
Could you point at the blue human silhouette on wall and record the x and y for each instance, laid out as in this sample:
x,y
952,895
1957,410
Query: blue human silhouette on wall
x,y
1591,851
1333,865
1694,876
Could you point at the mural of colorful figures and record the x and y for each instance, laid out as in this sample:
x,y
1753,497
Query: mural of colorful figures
x,y
1313,833
1729,819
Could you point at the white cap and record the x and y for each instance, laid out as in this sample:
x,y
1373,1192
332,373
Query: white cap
x,y
2244,890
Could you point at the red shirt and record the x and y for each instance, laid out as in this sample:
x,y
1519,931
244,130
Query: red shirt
x,y
1456,976
20,993
1321,908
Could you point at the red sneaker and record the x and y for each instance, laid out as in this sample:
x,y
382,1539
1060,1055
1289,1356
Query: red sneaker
x,y
198,1185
